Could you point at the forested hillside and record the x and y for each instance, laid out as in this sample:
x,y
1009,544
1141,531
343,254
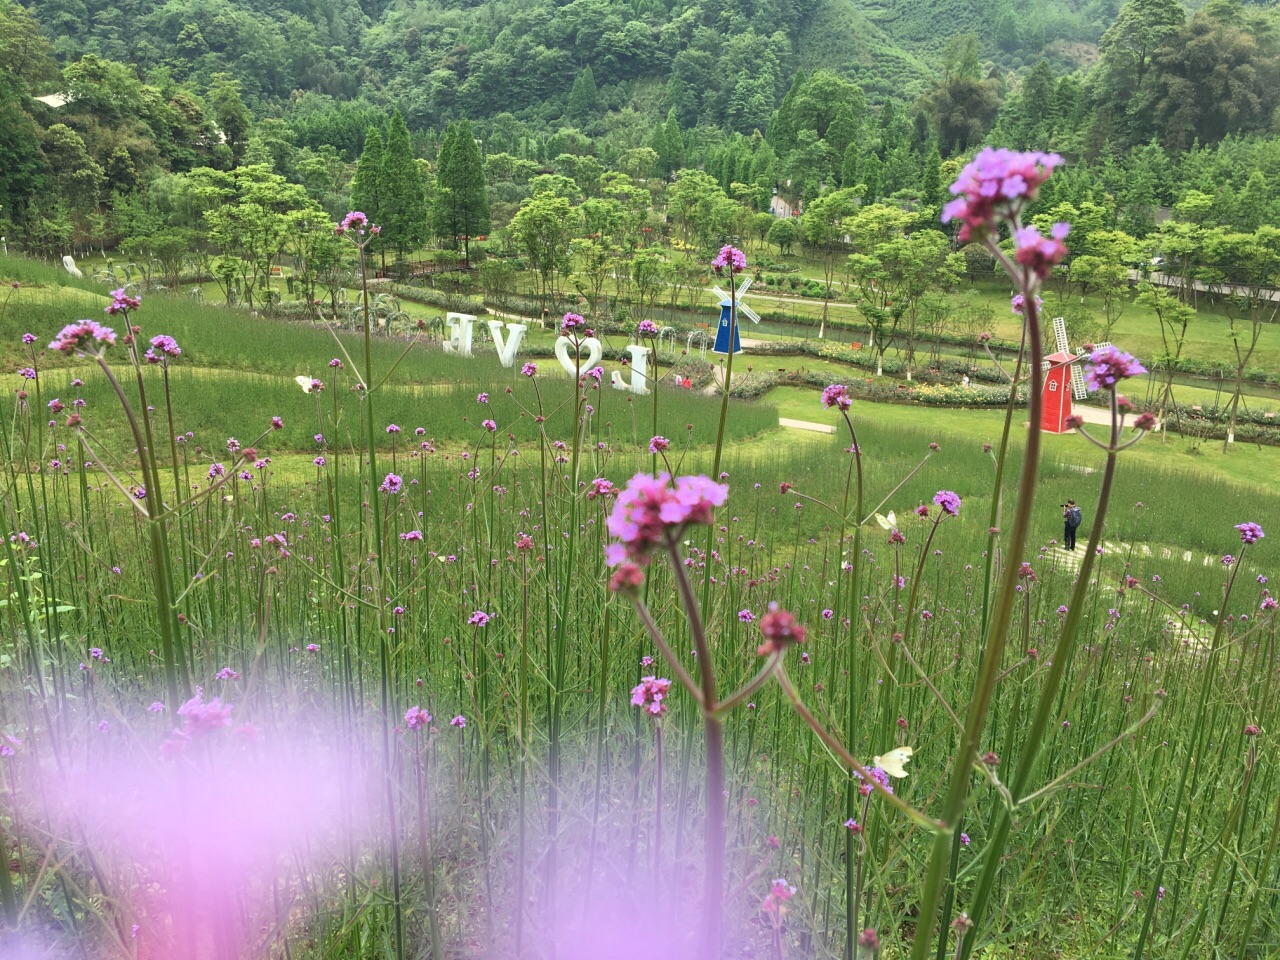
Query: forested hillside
x,y
103,104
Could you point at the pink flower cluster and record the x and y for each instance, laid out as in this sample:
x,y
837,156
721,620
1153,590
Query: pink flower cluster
x,y
1250,532
779,893
837,395
949,501
1109,366
1040,254
75,336
120,303
1017,303
781,629
571,323
731,257
357,221
647,328
650,695
200,718
161,347
879,776
651,508
416,718
996,185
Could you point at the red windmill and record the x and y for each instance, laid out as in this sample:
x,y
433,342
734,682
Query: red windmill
x,y
1063,380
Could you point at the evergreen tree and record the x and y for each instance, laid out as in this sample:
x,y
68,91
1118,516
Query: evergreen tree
x,y
851,167
233,117
462,197
403,200
931,190
842,131
669,145
584,99
871,177
366,182
782,126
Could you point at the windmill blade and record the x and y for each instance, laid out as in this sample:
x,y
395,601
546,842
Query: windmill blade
x,y
1105,344
751,314
1060,334
1078,389
719,293
744,287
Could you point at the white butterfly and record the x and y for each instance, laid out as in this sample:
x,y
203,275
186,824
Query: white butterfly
x,y
889,522
894,763
304,383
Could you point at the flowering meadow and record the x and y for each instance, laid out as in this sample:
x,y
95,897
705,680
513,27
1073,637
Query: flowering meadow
x,y
501,670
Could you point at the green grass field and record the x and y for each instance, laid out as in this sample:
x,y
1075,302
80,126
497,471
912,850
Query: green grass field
x,y
327,589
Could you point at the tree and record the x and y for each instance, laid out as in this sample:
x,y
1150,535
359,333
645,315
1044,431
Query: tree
x,y
842,131
784,234
402,197
584,99
366,183
461,209
1216,76
962,103
893,270
320,256
233,116
782,125
824,232
1174,316
822,98
1251,262
668,144
651,272
1133,38
543,228
701,208
250,219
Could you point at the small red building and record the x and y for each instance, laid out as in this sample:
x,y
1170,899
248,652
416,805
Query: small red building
x,y
1057,392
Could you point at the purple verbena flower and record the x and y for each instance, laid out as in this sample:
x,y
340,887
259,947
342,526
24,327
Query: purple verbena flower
x,y
1109,366
651,508
1250,532
650,695
82,333
996,185
416,718
948,501
837,395
729,257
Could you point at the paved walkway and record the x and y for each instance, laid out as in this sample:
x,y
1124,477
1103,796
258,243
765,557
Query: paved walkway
x,y
806,425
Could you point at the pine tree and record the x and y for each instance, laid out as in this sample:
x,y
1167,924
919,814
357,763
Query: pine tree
x,y
931,180
842,131
462,198
871,168
584,99
669,145
403,200
782,126
850,168
366,183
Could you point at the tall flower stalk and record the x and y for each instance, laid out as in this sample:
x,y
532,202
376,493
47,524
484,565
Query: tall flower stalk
x,y
1106,370
357,227
991,193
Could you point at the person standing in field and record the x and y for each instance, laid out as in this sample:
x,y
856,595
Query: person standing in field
x,y
1070,521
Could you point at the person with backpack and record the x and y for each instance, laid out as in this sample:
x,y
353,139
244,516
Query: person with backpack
x,y
1070,521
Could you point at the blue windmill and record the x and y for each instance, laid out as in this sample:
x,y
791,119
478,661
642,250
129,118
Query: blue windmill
x,y
727,328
